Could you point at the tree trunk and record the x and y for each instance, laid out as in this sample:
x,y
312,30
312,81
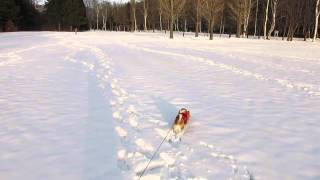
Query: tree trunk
x,y
171,19
106,19
266,21
274,13
197,18
200,26
291,31
238,27
177,25
211,24
145,15
103,23
246,20
238,24
317,13
97,18
256,20
223,26
160,16
221,22
133,16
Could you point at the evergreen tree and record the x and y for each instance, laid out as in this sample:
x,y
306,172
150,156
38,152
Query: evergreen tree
x,y
18,15
28,16
8,13
67,14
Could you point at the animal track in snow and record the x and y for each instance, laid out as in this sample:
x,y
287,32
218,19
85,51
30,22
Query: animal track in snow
x,y
132,120
116,115
121,132
143,145
237,169
134,152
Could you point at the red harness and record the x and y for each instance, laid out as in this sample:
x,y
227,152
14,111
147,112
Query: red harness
x,y
185,116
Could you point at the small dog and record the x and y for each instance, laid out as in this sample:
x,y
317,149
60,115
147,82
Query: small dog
x,y
181,120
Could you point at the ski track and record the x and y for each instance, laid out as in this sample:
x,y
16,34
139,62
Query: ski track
x,y
135,152
310,89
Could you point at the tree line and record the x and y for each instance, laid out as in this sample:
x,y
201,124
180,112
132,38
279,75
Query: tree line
x,y
19,15
261,18
25,15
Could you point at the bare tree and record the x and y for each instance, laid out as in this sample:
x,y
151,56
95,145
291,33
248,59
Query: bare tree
x,y
247,5
266,20
104,11
133,16
90,12
172,8
160,18
97,10
316,24
198,10
145,14
222,20
274,6
235,10
256,19
294,16
241,10
210,10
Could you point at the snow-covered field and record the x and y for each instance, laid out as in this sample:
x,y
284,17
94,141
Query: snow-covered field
x,y
97,105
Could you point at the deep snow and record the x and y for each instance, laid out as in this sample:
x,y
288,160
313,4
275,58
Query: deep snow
x,y
97,104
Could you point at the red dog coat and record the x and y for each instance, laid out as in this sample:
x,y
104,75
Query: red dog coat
x,y
185,116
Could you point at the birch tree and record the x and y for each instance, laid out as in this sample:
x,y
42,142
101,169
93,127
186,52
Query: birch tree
x,y
104,9
160,18
145,14
316,23
266,20
256,19
241,10
274,5
133,16
247,5
96,6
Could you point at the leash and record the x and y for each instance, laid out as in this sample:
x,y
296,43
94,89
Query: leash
x,y
145,169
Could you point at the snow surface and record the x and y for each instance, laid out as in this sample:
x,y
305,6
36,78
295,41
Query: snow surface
x,y
97,105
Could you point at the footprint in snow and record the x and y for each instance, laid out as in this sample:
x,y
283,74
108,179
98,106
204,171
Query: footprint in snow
x,y
116,115
122,160
121,132
143,146
132,121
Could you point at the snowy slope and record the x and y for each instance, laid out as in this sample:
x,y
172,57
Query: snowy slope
x,y
97,105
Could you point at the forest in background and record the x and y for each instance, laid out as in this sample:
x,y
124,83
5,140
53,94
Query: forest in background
x,y
261,18
27,15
